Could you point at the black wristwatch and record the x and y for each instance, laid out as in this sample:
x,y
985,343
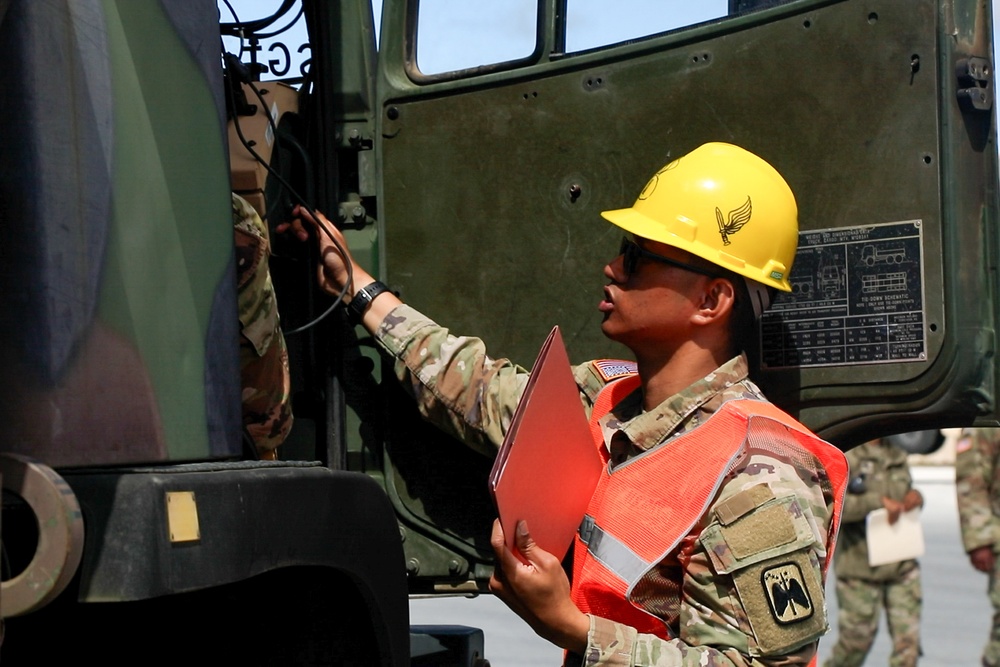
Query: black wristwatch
x,y
359,304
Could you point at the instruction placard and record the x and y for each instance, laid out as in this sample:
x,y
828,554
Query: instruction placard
x,y
857,298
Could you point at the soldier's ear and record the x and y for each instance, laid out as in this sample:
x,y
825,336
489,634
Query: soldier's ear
x,y
717,300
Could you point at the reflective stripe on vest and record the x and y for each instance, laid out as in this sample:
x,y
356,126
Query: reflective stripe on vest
x,y
623,538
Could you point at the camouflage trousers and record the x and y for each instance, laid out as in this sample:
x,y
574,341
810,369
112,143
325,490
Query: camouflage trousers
x,y
991,653
860,602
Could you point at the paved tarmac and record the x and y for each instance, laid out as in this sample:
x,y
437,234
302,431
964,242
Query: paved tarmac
x,y
954,625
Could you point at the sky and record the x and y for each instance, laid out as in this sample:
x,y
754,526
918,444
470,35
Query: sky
x,y
590,23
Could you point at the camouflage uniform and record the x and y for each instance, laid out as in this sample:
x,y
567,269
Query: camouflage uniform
x,y
861,588
264,376
977,482
714,616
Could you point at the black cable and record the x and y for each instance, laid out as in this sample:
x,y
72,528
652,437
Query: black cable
x,y
232,11
238,23
266,35
322,316
259,24
232,69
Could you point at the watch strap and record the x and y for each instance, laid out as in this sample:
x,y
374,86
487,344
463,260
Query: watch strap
x,y
364,297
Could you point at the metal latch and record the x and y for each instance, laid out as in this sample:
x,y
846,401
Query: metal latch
x,y
975,84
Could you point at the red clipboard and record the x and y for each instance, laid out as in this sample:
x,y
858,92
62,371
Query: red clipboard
x,y
548,466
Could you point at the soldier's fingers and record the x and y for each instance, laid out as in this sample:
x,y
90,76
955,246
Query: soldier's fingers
x,y
302,212
983,559
523,541
500,587
496,582
497,539
294,227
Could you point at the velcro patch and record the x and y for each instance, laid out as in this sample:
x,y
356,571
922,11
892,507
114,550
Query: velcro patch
x,y
767,528
768,532
742,503
612,369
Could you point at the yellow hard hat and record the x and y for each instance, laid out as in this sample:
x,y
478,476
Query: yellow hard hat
x,y
723,204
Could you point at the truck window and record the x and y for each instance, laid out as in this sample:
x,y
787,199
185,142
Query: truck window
x,y
592,23
455,36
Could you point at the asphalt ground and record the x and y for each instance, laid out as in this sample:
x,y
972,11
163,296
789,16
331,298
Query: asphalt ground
x,y
954,625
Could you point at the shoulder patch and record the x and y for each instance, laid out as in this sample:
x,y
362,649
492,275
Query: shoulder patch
x,y
787,594
784,603
964,444
612,369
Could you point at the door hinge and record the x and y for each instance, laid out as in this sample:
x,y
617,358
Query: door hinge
x,y
975,83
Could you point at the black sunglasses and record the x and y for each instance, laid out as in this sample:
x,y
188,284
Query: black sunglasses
x,y
632,251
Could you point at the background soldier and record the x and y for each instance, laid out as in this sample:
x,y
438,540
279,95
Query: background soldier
x,y
976,483
880,478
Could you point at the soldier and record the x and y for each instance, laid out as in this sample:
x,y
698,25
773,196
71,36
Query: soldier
x,y
264,375
880,478
706,543
977,483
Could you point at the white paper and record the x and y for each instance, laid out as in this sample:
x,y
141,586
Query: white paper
x,y
903,540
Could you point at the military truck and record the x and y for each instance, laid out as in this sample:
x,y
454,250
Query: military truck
x,y
136,519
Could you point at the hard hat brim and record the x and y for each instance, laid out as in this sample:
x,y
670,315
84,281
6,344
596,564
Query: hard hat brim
x,y
641,225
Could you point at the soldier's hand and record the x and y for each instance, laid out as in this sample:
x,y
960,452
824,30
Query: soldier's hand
x,y
983,558
334,256
295,227
537,589
912,500
893,507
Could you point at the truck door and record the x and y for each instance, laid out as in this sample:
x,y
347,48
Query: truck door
x,y
492,176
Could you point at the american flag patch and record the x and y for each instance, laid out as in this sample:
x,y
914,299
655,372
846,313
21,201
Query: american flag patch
x,y
964,444
612,369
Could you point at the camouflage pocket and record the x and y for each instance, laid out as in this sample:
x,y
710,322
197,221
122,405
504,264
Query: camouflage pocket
x,y
768,546
260,325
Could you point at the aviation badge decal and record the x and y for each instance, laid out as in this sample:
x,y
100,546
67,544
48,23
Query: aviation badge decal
x,y
737,218
654,181
786,593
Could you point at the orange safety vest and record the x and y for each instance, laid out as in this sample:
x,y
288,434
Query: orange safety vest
x,y
642,509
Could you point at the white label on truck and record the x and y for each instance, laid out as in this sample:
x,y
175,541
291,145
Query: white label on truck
x,y
857,298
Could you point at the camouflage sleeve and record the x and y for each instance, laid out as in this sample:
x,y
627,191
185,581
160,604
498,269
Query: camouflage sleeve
x,y
858,505
752,586
975,469
456,384
264,374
